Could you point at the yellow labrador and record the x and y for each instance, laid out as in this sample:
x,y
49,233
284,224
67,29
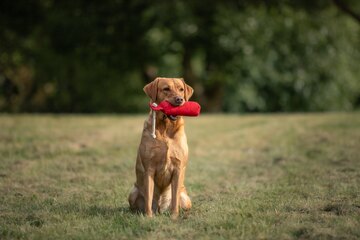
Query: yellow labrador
x,y
161,161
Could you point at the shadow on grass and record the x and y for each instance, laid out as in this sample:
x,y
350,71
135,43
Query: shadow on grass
x,y
92,210
106,211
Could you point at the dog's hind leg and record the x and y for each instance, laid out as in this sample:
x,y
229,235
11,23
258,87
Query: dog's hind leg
x,y
136,200
185,202
165,200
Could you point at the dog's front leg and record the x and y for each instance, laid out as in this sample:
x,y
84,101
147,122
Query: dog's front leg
x,y
149,192
175,194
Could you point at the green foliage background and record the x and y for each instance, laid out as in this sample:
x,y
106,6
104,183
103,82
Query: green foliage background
x,y
256,56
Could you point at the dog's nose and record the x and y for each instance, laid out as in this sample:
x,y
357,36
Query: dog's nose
x,y
179,100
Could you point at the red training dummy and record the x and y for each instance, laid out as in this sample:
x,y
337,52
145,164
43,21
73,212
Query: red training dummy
x,y
189,108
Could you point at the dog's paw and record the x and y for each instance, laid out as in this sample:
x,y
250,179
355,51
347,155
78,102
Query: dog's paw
x,y
174,216
149,214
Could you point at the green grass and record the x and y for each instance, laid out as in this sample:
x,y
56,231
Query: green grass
x,y
249,176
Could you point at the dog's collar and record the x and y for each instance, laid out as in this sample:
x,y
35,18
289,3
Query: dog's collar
x,y
170,117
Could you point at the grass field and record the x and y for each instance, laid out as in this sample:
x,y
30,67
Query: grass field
x,y
249,177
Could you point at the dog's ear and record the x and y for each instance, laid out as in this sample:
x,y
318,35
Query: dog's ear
x,y
188,90
151,89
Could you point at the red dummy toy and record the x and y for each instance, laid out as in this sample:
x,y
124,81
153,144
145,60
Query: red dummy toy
x,y
189,108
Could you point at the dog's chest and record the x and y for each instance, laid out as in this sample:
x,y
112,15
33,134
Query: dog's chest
x,y
172,157
169,153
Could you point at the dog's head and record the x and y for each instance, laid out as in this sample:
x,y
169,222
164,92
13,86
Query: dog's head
x,y
173,90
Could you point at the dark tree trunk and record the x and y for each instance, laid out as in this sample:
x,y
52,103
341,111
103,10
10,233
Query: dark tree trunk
x,y
191,79
346,9
209,95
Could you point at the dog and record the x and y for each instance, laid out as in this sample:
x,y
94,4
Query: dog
x,y
161,161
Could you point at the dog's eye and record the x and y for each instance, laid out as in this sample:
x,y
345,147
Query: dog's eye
x,y
166,89
181,89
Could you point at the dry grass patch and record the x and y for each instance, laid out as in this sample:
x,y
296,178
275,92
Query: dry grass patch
x,y
286,176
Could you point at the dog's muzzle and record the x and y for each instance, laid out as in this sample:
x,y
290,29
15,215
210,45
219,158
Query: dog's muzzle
x,y
172,118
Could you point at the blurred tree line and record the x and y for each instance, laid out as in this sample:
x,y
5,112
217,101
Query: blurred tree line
x,y
255,56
